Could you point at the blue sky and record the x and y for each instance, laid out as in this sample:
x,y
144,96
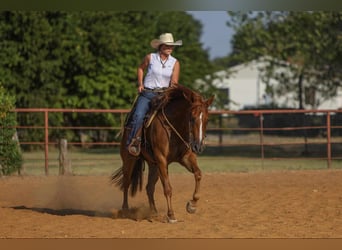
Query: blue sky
x,y
216,35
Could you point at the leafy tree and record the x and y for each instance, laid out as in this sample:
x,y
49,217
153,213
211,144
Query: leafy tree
x,y
308,42
87,59
10,155
29,63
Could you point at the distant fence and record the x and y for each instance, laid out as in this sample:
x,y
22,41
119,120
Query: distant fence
x,y
315,133
315,129
46,127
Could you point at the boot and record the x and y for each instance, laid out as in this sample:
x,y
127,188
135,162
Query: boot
x,y
134,146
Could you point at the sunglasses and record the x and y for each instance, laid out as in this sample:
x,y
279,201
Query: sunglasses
x,y
168,46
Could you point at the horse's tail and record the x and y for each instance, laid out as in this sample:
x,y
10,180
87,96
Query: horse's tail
x,y
135,180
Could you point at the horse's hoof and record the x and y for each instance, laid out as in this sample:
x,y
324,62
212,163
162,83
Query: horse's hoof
x,y
190,208
169,220
124,213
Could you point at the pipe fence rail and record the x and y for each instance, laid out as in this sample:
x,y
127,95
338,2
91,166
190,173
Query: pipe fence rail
x,y
261,134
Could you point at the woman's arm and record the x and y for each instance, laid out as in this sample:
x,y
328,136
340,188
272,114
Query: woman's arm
x,y
141,70
175,74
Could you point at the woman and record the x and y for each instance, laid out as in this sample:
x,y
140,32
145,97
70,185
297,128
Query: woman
x,y
162,73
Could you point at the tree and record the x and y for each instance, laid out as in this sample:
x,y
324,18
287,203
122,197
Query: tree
x,y
29,63
87,59
10,155
308,43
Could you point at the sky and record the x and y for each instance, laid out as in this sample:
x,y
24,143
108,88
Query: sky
x,y
216,35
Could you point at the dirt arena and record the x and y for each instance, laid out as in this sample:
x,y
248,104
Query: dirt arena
x,y
291,204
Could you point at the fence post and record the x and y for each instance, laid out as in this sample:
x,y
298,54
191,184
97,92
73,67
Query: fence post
x,y
261,120
64,163
220,131
328,140
46,125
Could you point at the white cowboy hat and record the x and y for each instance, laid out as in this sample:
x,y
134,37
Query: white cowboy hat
x,y
165,38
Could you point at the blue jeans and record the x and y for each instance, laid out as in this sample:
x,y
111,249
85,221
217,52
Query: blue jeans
x,y
142,106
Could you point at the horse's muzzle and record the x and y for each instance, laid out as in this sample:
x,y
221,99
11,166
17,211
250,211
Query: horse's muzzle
x,y
197,147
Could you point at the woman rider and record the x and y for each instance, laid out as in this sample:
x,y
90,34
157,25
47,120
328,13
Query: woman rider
x,y
162,73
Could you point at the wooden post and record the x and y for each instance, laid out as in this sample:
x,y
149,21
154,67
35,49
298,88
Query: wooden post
x,y
64,162
16,139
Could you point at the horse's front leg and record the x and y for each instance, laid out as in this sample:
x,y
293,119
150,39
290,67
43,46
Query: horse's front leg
x,y
190,162
191,205
164,177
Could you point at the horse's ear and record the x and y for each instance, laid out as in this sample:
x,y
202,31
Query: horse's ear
x,y
210,100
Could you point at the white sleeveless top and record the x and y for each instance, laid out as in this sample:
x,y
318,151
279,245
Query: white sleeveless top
x,y
159,73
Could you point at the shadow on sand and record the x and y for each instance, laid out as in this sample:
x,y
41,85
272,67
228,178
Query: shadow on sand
x,y
136,214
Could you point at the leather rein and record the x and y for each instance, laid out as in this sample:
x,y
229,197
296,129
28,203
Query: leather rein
x,y
187,144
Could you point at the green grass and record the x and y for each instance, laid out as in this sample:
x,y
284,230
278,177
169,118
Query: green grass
x,y
106,161
239,153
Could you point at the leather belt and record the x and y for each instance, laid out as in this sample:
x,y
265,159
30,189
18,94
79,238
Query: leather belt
x,y
155,89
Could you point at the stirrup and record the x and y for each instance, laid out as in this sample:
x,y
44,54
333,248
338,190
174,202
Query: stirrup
x,y
134,146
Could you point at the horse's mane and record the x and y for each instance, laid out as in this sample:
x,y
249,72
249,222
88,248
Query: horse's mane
x,y
171,94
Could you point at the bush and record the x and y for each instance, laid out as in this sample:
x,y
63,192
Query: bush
x,y
10,154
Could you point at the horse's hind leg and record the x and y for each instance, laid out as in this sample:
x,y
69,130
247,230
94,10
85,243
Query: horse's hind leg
x,y
128,165
125,200
150,187
121,179
125,185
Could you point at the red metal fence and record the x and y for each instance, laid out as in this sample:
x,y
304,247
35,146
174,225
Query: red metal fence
x,y
298,125
305,128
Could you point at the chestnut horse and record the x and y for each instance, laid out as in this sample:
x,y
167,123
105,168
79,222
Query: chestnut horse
x,y
176,134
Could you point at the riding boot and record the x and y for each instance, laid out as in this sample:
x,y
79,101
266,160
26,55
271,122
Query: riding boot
x,y
135,145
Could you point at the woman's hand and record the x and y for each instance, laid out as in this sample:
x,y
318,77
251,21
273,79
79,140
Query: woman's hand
x,y
140,88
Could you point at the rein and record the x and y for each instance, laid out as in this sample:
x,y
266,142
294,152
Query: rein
x,y
174,130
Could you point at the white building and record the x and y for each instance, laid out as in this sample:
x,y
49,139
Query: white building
x,y
245,88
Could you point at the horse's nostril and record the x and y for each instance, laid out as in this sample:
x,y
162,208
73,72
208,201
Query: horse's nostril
x,y
197,148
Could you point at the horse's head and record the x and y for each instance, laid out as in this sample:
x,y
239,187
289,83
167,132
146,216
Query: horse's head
x,y
198,121
197,118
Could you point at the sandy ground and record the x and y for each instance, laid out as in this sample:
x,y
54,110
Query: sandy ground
x,y
291,204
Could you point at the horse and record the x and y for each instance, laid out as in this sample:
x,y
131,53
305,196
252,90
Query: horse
x,y
175,133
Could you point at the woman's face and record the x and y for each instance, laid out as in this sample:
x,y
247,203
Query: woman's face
x,y
166,49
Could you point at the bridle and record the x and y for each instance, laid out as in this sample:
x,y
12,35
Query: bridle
x,y
191,122
187,144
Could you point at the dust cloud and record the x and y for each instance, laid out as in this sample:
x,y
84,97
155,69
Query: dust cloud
x,y
97,197
70,195
94,196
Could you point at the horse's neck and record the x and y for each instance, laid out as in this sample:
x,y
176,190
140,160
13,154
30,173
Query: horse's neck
x,y
177,112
